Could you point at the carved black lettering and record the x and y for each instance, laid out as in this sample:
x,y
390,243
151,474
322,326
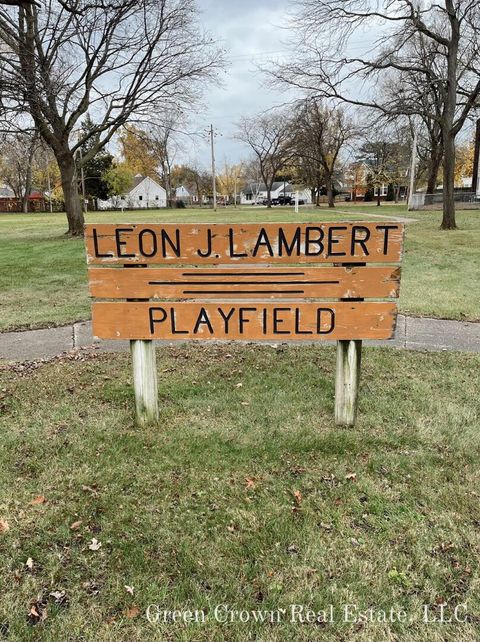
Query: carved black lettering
x,y
153,319
98,254
120,244
356,229
203,319
333,241
141,244
263,241
208,251
318,242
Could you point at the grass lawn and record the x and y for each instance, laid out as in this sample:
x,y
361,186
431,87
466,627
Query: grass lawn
x,y
243,495
43,273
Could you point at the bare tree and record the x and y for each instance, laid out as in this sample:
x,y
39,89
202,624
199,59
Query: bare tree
x,y
269,136
121,60
450,27
16,164
320,134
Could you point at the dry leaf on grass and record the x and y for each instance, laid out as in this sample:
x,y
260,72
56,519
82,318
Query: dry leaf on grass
x,y
132,612
4,526
95,545
76,525
29,563
129,589
351,477
249,483
38,500
298,497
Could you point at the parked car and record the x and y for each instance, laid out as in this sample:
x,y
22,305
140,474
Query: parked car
x,y
285,200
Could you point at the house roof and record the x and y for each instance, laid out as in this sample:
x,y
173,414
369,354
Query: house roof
x,y
138,179
253,188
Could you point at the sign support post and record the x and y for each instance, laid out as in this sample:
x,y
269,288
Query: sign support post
x,y
145,384
145,381
347,380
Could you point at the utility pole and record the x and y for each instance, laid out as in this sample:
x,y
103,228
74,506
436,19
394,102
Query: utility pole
x,y
214,180
82,179
49,184
413,169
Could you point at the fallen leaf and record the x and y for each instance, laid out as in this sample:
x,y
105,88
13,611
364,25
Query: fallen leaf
x,y
58,596
244,403
239,385
76,525
298,497
129,589
249,483
325,526
231,528
89,489
4,526
132,612
29,563
38,500
95,545
351,477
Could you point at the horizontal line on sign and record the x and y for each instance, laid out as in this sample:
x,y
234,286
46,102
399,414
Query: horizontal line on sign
x,y
177,283
235,292
235,273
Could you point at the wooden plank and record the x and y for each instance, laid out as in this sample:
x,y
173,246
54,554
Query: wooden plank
x,y
379,242
245,321
274,283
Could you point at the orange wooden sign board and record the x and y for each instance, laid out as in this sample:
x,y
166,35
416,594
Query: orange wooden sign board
x,y
240,244
231,299
235,283
246,321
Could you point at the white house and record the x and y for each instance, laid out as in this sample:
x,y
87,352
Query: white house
x,y
257,192
145,193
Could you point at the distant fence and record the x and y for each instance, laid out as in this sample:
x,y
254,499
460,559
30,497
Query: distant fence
x,y
420,201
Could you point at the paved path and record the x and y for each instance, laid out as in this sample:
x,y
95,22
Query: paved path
x,y
390,217
412,334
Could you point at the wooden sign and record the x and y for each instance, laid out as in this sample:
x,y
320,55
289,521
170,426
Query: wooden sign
x,y
244,243
247,321
246,282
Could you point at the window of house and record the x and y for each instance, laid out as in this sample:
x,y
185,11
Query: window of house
x,y
156,198
140,198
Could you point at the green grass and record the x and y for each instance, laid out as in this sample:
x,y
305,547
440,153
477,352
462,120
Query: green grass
x,y
202,510
43,273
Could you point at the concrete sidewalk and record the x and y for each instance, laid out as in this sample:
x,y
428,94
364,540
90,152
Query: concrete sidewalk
x,y
412,334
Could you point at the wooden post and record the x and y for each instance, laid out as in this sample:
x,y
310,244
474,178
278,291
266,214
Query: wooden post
x,y
347,380
145,382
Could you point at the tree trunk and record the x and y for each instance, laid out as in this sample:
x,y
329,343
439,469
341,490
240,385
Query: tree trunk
x,y
269,198
448,221
71,196
433,170
379,197
331,197
448,132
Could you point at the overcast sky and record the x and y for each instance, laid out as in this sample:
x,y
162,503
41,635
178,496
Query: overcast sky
x,y
251,32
